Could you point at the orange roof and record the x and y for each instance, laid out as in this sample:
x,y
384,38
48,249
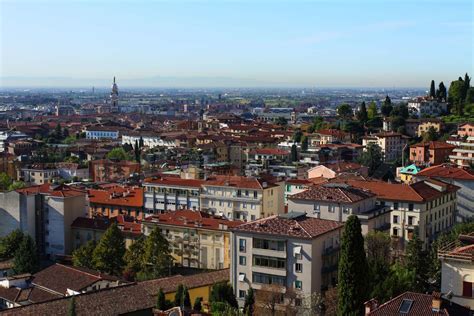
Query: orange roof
x,y
53,190
117,195
175,181
446,171
189,218
270,151
238,181
434,145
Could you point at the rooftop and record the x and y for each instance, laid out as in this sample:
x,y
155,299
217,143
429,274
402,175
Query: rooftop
x,y
447,171
333,192
296,225
117,195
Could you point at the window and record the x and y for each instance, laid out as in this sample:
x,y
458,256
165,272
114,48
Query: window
x,y
395,231
268,279
346,210
298,267
405,306
241,294
270,262
410,207
395,205
316,208
467,289
410,220
298,285
278,245
395,219
242,245
331,208
252,217
242,260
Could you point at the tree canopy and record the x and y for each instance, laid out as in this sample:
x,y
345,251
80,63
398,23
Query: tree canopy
x,y
109,253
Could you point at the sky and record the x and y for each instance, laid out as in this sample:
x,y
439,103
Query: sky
x,y
352,43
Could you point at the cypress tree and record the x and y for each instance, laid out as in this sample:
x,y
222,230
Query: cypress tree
x,y
362,114
178,296
304,143
197,304
26,257
160,300
137,151
71,309
432,89
353,270
442,92
249,302
294,153
186,299
108,255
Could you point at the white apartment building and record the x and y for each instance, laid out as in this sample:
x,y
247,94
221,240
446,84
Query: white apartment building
x,y
98,132
421,107
150,140
337,201
463,154
290,250
426,208
391,144
172,193
38,174
457,270
242,198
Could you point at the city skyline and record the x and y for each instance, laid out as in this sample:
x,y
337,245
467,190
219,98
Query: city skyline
x,y
210,44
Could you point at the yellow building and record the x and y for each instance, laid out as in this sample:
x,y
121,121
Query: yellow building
x,y
426,125
197,239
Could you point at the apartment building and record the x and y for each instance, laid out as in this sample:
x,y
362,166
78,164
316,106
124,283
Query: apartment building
x,y
328,136
426,208
242,198
423,106
430,153
294,186
337,201
197,239
462,178
457,270
106,170
45,212
289,250
466,130
38,173
99,132
149,139
463,154
391,144
171,193
113,200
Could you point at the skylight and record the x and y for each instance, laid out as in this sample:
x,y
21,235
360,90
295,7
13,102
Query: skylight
x,y
405,306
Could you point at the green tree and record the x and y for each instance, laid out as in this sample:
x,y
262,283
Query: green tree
x,y
134,255
10,243
378,258
371,158
186,299
432,89
178,296
223,292
352,269
470,96
387,107
197,304
318,123
16,185
362,115
467,85
372,111
304,143
441,93
398,280
249,302
294,153
281,121
58,135
118,154
26,257
82,257
160,300
156,256
137,151
456,96
416,260
108,255
430,135
297,136
141,143
71,309
344,111
5,181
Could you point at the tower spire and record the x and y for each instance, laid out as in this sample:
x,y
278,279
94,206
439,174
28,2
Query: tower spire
x,y
114,79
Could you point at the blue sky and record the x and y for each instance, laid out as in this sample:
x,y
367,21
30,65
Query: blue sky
x,y
250,43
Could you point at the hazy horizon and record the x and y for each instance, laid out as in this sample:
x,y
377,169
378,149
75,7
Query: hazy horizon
x,y
394,44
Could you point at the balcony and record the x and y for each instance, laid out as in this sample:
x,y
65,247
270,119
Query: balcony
x,y
232,198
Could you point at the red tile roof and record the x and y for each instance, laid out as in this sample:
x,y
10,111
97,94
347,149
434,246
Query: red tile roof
x,y
238,181
269,151
53,190
296,225
333,192
434,145
189,218
59,278
446,171
422,305
175,181
117,195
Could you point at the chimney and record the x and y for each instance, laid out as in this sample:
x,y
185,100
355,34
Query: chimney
x,y
436,303
370,305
